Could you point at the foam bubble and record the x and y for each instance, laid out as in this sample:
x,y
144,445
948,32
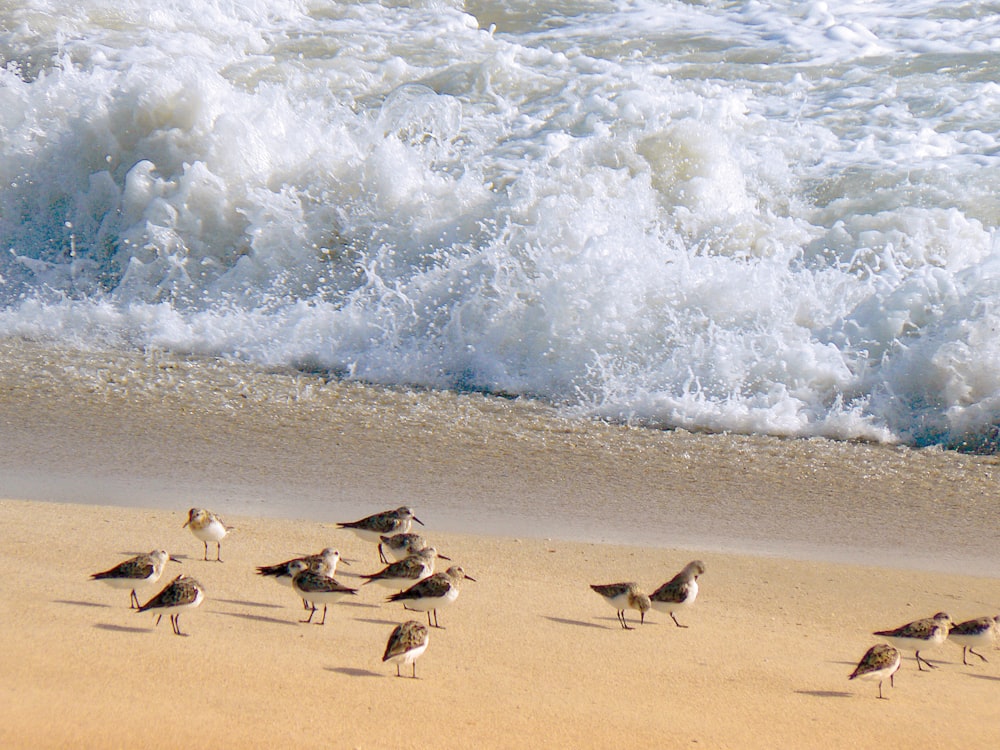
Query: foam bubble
x,y
626,213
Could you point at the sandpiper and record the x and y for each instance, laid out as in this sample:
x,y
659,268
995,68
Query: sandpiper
x,y
180,594
373,528
406,572
317,588
208,527
919,635
679,592
324,562
622,596
879,662
135,573
982,631
401,546
433,592
406,643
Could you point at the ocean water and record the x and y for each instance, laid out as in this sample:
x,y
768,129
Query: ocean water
x,y
755,217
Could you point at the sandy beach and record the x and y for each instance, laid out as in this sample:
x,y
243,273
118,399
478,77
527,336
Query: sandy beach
x,y
809,547
528,655
598,289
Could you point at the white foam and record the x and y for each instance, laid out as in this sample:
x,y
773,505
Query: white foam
x,y
775,218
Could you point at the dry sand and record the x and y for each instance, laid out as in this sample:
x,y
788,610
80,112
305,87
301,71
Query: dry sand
x,y
528,655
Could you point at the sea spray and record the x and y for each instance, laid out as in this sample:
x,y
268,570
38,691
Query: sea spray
x,y
774,219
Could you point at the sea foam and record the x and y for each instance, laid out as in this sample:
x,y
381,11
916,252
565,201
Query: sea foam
x,y
776,218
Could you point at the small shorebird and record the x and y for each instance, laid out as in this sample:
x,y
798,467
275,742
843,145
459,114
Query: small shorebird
x,y
208,527
406,572
919,635
322,562
135,573
679,592
373,528
180,594
622,596
401,546
406,643
983,631
433,592
879,662
317,588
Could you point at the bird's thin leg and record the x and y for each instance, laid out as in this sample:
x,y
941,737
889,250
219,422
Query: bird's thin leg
x,y
397,671
158,618
921,659
977,654
675,621
311,613
218,551
880,690
206,551
381,555
133,602
323,622
414,665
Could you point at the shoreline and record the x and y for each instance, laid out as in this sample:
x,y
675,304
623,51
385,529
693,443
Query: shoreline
x,y
155,430
534,506
528,654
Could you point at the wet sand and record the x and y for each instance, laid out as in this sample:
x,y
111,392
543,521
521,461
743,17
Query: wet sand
x,y
810,546
159,431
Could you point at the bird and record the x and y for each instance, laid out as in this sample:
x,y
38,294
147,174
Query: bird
x,y
919,635
373,528
879,662
406,643
433,592
136,572
679,592
208,527
982,631
180,594
622,596
317,588
400,546
405,572
323,562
